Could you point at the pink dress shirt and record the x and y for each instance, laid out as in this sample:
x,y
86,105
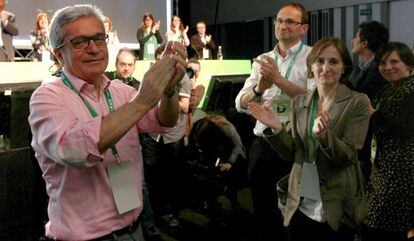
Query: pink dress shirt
x,y
65,137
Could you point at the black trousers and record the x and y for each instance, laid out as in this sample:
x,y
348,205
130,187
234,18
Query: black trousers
x,y
303,228
265,169
371,234
164,174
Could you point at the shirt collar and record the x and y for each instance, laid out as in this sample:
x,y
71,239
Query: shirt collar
x,y
80,84
365,65
291,51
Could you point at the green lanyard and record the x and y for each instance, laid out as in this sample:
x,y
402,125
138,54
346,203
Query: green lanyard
x,y
109,102
311,135
291,62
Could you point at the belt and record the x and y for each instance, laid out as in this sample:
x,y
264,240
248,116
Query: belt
x,y
127,230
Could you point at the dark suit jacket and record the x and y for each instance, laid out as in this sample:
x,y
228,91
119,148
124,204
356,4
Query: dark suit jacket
x,y
336,160
370,84
198,46
7,50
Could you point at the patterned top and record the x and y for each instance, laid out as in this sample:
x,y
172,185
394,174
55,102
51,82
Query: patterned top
x,y
391,191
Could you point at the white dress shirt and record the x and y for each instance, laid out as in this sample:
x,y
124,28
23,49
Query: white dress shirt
x,y
298,76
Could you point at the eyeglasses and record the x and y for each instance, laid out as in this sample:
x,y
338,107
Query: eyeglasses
x,y
289,22
82,42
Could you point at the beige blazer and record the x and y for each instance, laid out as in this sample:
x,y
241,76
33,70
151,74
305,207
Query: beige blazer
x,y
336,156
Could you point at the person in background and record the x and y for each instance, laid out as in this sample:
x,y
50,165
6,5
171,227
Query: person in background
x,y
149,37
328,126
8,29
197,93
39,37
365,77
125,67
113,41
202,43
280,76
214,142
164,158
391,187
177,31
85,130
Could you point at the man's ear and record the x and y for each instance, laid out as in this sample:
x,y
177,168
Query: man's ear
x,y
305,28
58,55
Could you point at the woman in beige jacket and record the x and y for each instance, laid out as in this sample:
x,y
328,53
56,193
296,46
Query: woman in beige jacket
x,y
328,125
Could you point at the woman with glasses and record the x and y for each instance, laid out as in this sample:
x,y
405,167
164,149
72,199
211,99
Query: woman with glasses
x,y
391,189
177,31
149,37
326,128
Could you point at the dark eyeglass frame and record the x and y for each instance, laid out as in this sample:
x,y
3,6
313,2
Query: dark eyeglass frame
x,y
289,22
82,42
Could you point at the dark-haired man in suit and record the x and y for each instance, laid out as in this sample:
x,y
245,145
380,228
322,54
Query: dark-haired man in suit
x,y
202,43
365,77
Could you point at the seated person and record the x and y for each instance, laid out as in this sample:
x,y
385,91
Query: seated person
x,y
215,143
125,67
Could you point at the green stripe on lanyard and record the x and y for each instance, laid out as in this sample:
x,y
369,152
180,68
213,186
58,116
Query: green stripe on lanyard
x,y
287,74
311,135
109,102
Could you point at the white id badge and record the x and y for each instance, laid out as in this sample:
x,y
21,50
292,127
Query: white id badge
x,y
205,53
309,183
150,48
124,188
373,148
45,56
282,109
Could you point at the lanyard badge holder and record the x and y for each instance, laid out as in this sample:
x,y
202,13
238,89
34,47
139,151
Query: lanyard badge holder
x,y
282,105
310,187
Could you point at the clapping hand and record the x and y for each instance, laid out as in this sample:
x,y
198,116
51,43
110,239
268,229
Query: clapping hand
x,y
208,38
265,115
269,73
164,74
321,123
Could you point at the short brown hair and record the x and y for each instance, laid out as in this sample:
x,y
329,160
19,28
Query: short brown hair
x,y
322,44
300,8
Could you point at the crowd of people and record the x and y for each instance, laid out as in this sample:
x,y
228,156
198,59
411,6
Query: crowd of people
x,y
333,156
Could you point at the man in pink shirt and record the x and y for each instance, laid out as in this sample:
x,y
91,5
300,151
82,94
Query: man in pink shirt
x,y
85,130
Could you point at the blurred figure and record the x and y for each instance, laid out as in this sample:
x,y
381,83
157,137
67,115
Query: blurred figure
x,y
125,67
197,93
327,127
177,31
40,38
164,159
8,29
202,43
215,143
365,77
149,37
113,41
391,188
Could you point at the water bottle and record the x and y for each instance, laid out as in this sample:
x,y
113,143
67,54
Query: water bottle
x,y
219,53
